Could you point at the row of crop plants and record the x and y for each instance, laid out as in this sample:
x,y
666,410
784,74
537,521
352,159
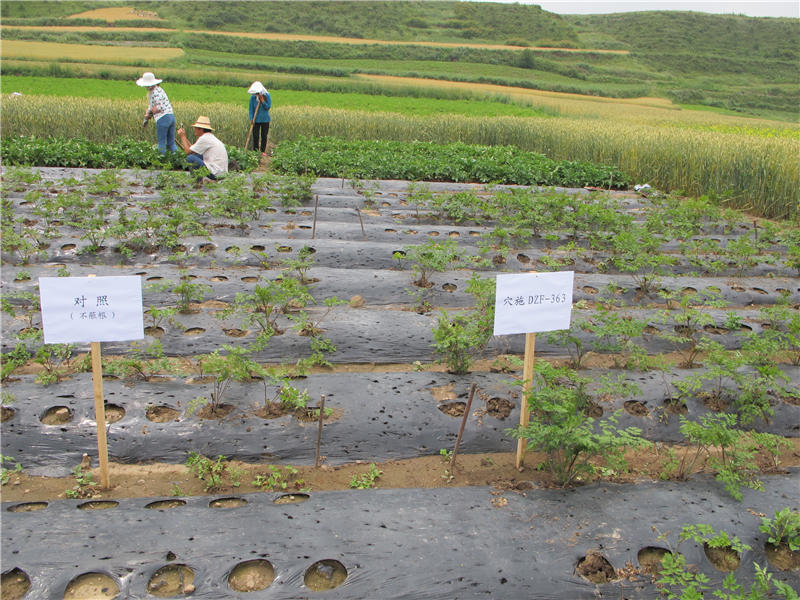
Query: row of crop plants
x,y
753,172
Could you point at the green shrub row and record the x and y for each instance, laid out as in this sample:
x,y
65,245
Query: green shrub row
x,y
125,153
428,161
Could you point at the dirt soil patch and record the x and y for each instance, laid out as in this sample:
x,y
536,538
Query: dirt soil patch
x,y
494,469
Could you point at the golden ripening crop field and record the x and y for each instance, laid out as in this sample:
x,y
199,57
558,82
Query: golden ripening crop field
x,y
80,52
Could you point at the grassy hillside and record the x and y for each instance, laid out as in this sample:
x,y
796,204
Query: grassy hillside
x,y
730,62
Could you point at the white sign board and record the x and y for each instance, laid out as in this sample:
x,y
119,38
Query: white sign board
x,y
531,302
91,309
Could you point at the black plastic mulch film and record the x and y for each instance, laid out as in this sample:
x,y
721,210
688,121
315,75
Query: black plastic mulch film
x,y
434,543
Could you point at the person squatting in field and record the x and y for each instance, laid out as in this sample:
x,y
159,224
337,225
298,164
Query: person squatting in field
x,y
207,151
159,107
260,103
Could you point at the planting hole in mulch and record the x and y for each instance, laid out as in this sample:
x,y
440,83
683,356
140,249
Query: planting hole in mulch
x,y
215,413
250,279
498,259
715,402
6,413
449,287
587,289
723,559
291,499
389,230
68,248
98,505
114,413
91,586
192,331
206,248
227,503
523,258
595,567
475,233
325,575
676,406
251,576
759,291
715,329
234,332
433,233
27,507
499,408
155,332
453,409
310,414
162,414
165,504
594,410
636,408
171,581
219,278
782,557
14,584
284,249
56,415
650,559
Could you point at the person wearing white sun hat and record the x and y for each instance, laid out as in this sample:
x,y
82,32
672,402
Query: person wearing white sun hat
x,y
159,107
260,103
207,151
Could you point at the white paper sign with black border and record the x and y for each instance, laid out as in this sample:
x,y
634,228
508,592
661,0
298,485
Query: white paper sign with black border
x,y
91,309
533,302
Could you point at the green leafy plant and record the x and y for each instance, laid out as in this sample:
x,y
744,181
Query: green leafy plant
x,y
734,464
56,361
141,362
678,581
13,360
6,473
189,292
236,365
688,323
210,472
366,480
562,430
455,338
280,479
85,485
783,528
431,257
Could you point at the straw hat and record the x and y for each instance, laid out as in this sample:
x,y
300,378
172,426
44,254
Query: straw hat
x,y
203,123
257,88
148,80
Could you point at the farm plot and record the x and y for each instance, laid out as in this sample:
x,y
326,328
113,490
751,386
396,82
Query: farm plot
x,y
264,293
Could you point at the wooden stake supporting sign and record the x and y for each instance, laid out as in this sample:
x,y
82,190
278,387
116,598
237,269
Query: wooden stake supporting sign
x,y
528,303
92,309
100,414
527,386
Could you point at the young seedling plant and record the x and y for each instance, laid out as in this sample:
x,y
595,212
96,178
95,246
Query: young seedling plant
x,y
235,365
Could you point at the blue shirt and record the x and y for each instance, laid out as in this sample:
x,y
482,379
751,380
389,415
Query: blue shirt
x,y
263,111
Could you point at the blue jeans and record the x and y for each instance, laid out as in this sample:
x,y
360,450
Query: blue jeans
x,y
165,129
195,162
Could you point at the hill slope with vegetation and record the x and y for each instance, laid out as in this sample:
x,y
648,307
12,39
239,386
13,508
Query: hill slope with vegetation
x,y
732,62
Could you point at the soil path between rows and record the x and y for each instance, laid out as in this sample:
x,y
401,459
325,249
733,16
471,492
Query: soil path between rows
x,y
494,469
